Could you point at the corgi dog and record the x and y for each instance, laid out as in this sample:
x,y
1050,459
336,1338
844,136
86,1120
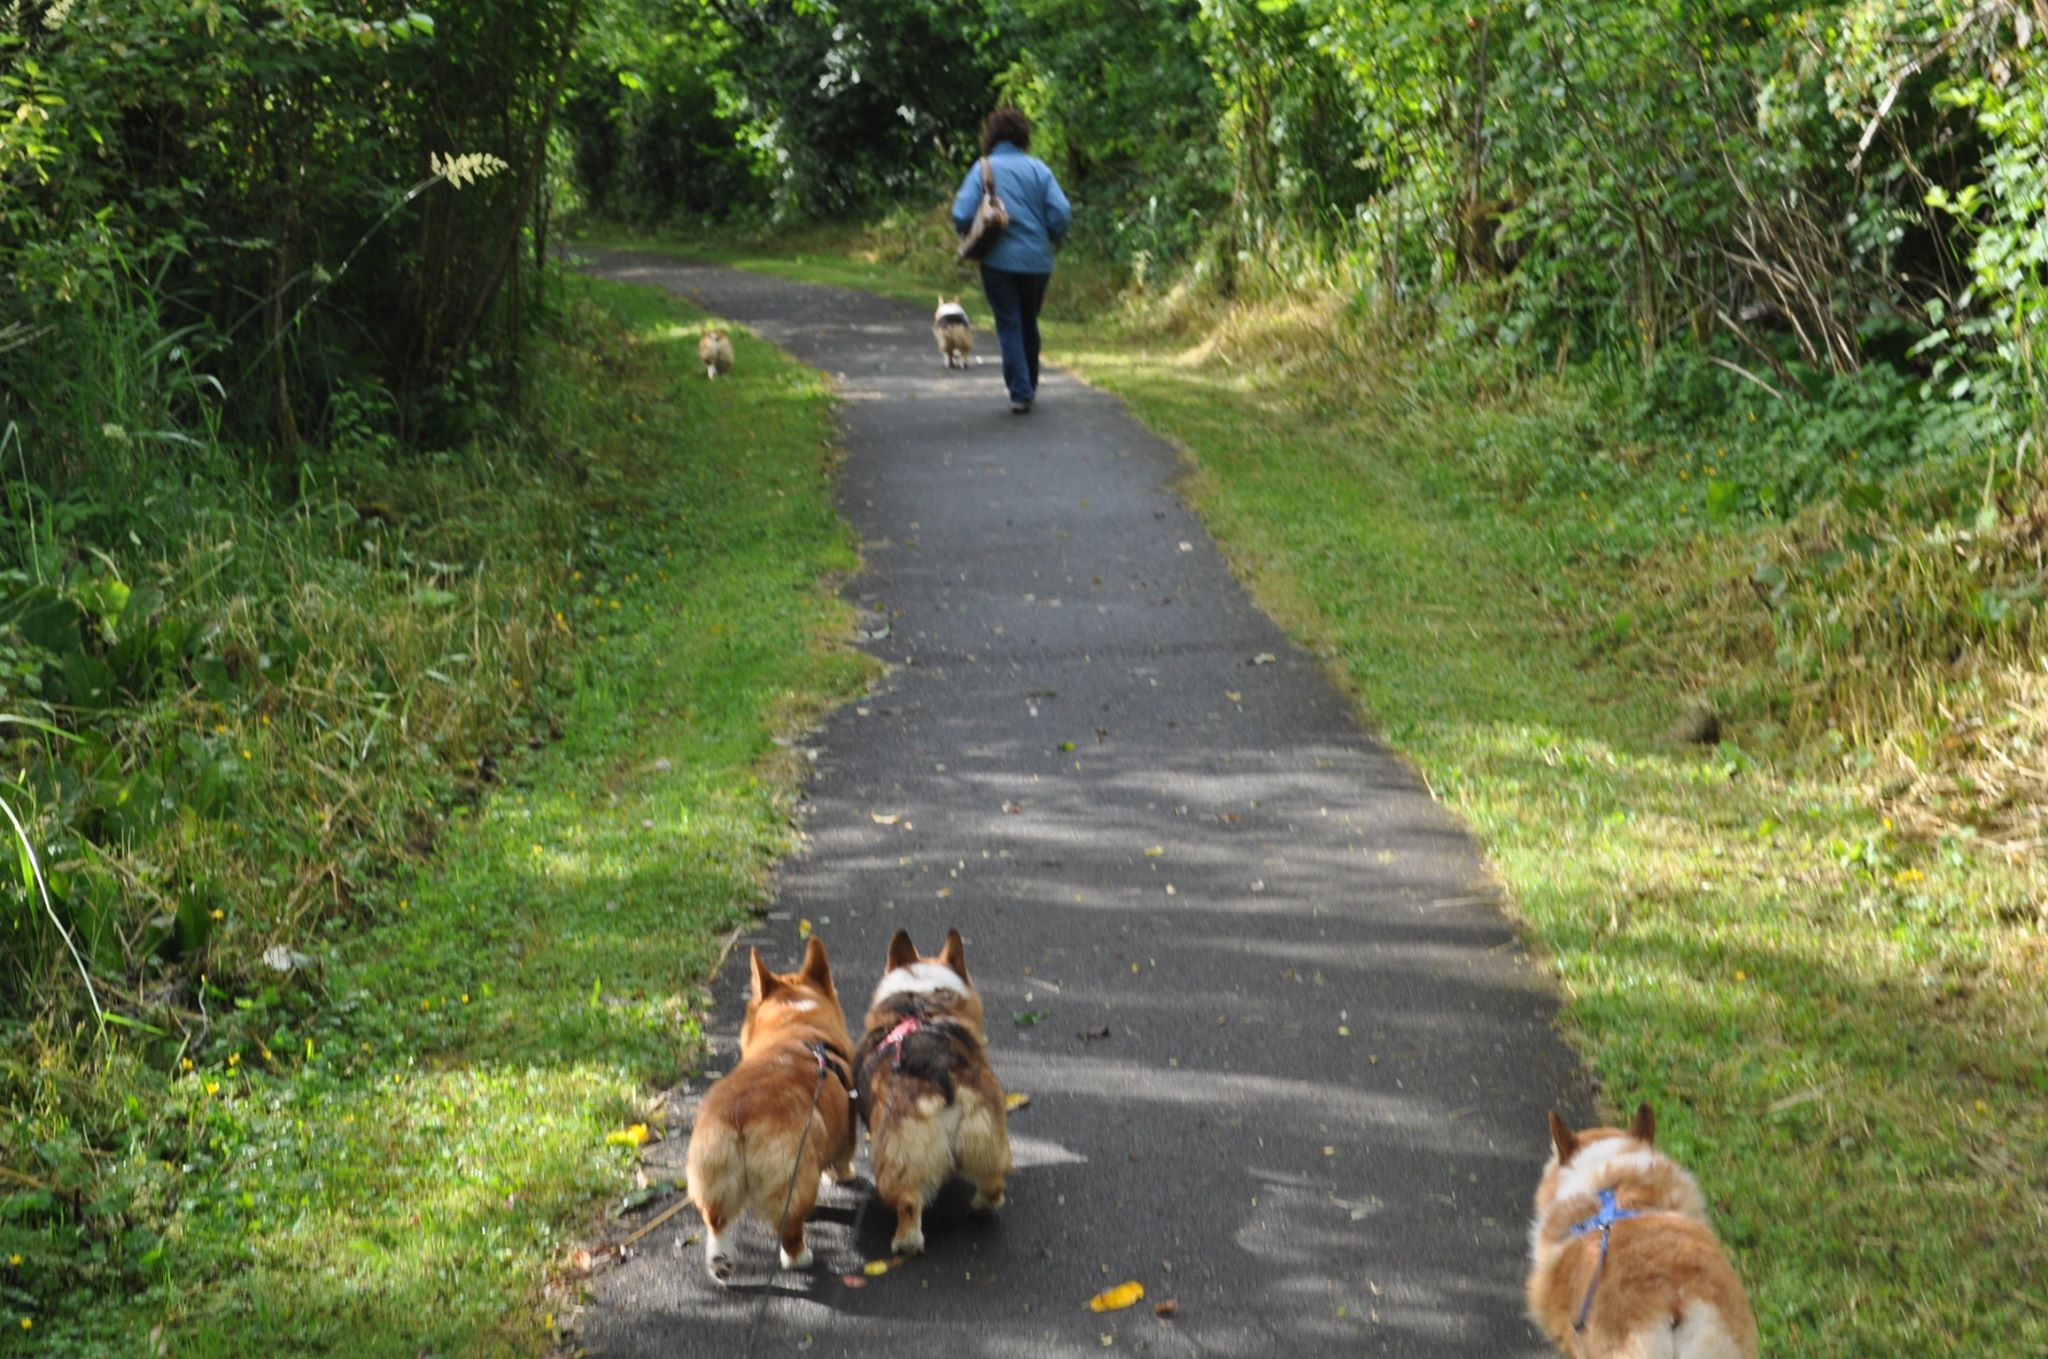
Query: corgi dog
x,y
1622,1261
714,351
794,1074
932,1104
950,329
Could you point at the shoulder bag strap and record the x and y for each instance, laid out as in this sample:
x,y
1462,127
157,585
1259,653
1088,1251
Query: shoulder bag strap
x,y
988,179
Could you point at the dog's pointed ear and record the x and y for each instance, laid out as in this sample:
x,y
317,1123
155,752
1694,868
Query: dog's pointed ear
x,y
1563,1138
764,980
1644,1127
954,954
817,967
902,953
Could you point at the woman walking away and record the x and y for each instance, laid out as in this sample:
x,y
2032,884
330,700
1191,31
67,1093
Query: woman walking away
x,y
1014,273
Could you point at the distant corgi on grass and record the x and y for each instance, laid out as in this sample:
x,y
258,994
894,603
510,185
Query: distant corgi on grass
x,y
714,351
954,335
1622,1262
744,1147
932,1104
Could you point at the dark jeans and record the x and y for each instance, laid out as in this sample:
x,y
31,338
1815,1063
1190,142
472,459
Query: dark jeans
x,y
1014,300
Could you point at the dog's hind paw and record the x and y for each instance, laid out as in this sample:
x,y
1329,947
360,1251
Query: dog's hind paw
x,y
908,1243
801,1260
990,1204
719,1259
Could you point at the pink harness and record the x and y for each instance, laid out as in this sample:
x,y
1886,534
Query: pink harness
x,y
905,1027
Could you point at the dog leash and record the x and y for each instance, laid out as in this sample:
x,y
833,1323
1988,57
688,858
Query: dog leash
x,y
1603,1222
819,1051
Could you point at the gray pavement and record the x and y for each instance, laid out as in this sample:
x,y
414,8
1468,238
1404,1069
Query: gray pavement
x,y
1286,1064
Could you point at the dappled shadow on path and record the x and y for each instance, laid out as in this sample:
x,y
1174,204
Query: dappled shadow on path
x,y
1285,1063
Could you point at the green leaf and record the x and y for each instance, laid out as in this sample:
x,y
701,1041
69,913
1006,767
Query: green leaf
x,y
1723,496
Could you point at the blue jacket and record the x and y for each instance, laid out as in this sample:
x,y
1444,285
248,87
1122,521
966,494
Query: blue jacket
x,y
1039,214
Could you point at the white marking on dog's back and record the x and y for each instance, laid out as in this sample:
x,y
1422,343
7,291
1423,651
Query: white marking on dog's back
x,y
1605,1162
919,979
952,312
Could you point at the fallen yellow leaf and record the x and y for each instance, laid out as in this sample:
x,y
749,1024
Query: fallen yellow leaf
x,y
1016,1100
1118,1298
883,818
1155,851
635,1136
875,1269
803,929
1233,695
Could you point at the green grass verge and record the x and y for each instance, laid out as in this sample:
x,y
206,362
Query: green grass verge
x,y
387,1152
1843,1025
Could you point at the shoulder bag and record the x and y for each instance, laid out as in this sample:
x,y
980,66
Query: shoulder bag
x,y
990,219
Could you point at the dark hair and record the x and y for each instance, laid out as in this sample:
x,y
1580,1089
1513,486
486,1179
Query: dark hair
x,y
1005,125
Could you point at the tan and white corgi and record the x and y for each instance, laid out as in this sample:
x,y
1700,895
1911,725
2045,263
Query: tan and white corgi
x,y
1622,1261
714,351
954,334
794,1073
932,1104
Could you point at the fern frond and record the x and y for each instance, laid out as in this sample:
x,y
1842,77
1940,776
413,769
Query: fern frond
x,y
460,170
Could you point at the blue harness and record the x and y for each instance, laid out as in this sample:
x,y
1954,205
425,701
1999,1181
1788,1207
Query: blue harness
x,y
1602,1222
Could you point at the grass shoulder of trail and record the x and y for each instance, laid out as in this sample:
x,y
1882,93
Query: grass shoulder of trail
x,y
388,1152
1842,1025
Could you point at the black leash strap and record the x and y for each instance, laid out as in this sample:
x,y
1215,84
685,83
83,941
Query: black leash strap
x,y
817,1050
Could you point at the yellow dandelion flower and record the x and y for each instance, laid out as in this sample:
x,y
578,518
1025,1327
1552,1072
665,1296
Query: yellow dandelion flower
x,y
14,1259
28,1323
234,1060
213,1087
217,914
186,1064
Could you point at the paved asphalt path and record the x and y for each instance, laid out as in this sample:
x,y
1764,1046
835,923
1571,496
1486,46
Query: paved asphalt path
x,y
1287,1064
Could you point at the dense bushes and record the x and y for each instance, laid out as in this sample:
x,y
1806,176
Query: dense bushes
x,y
259,258
1798,188
247,181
